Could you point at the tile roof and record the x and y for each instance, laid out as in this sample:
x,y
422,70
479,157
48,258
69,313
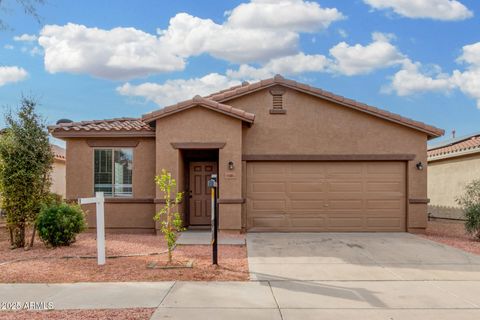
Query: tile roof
x,y
203,102
117,125
457,147
246,88
58,152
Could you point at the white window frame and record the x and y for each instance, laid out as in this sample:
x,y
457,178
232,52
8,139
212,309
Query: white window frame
x,y
112,193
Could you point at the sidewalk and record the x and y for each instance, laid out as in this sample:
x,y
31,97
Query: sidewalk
x,y
274,300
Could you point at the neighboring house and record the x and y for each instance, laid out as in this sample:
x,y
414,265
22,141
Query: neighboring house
x,y
58,175
58,171
289,157
451,166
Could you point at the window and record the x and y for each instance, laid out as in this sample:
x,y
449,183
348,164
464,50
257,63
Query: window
x,y
113,172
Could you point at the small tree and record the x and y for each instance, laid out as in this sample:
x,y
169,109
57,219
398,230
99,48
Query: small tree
x,y
470,202
25,165
171,222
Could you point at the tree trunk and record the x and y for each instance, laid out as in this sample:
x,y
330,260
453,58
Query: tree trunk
x,y
19,236
11,235
32,239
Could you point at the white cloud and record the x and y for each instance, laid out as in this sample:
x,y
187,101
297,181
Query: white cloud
x,y
345,59
360,59
431,9
290,15
289,65
471,54
173,91
25,37
253,32
190,36
119,53
11,74
8,47
411,79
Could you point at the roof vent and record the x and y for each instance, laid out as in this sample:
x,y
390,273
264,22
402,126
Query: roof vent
x,y
245,83
277,100
64,121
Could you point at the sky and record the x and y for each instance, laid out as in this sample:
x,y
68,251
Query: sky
x,y
105,59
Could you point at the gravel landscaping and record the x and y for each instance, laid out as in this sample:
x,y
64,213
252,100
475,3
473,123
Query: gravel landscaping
x,y
128,314
452,234
45,265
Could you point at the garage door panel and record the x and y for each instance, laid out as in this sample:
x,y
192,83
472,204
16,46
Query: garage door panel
x,y
310,205
384,204
345,186
326,196
384,186
307,187
345,204
308,222
268,205
269,187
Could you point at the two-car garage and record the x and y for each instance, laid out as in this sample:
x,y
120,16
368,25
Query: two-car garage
x,y
326,196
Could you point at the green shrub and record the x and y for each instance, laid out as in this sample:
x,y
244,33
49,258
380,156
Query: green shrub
x,y
470,202
58,224
53,198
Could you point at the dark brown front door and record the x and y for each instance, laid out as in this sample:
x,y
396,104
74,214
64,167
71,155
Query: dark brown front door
x,y
200,173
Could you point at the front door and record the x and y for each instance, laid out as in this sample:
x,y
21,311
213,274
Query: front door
x,y
200,173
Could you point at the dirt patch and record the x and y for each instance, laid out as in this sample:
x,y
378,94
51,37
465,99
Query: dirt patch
x,y
131,314
45,265
452,234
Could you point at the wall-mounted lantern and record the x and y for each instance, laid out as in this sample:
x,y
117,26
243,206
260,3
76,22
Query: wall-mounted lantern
x,y
419,166
231,165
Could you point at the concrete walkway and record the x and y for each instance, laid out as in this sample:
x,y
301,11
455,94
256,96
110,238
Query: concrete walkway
x,y
265,299
196,237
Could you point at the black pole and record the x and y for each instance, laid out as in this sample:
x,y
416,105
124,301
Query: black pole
x,y
212,183
215,229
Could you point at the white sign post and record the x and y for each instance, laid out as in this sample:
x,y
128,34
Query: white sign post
x,y
99,201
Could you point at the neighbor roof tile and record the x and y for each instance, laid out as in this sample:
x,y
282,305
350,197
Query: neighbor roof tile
x,y
470,143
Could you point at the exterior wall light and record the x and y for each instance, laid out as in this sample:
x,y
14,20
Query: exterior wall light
x,y
419,166
231,165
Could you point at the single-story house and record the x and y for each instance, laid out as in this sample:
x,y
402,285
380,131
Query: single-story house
x,y
452,164
289,157
59,171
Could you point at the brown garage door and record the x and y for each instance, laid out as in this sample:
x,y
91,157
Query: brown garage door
x,y
326,196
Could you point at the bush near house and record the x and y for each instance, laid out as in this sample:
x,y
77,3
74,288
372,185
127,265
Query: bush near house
x,y
59,224
470,202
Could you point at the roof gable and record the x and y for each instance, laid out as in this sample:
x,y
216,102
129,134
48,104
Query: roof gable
x,y
246,88
198,101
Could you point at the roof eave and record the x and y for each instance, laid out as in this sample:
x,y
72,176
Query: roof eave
x,y
101,134
454,154
150,117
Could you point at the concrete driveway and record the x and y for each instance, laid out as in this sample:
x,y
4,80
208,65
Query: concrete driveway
x,y
356,256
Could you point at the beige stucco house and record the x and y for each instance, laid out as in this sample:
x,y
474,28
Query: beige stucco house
x,y
289,157
451,165
59,171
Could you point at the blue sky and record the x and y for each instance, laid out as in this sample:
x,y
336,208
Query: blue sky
x,y
104,59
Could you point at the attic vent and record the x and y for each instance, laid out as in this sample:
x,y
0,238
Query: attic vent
x,y
277,101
